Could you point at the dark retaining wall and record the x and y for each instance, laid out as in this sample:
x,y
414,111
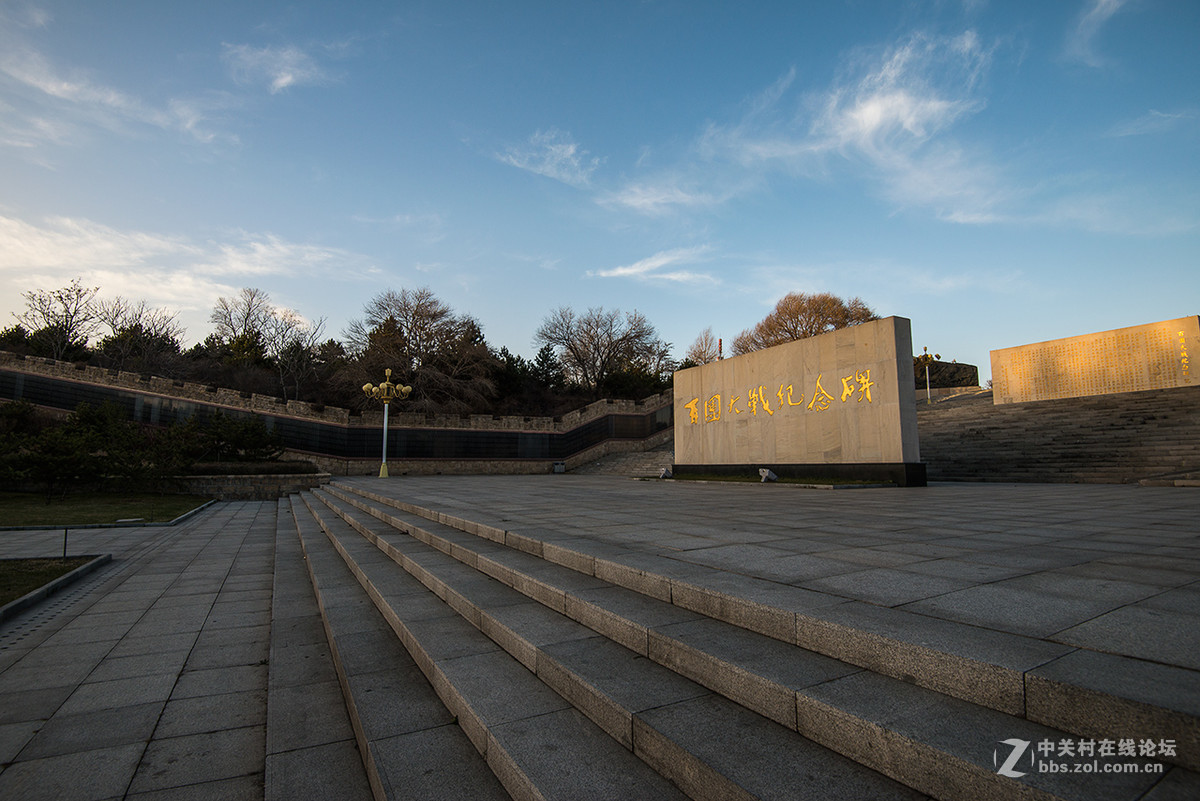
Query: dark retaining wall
x,y
410,436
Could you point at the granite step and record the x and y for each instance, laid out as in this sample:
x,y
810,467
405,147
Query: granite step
x,y
537,745
802,691
1110,439
311,749
672,724
407,741
1086,693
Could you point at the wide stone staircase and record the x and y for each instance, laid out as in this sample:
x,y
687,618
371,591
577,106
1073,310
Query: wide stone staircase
x,y
635,464
1152,437
1103,439
477,662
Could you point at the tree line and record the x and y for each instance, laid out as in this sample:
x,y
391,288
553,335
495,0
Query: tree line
x,y
258,346
99,446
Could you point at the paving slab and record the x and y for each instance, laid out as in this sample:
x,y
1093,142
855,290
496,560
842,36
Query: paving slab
x,y
113,683
991,581
82,776
171,762
89,731
1070,573
736,756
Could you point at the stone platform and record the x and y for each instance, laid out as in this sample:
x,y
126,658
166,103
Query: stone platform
x,y
595,637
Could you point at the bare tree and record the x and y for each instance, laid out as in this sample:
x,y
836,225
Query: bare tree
x,y
60,320
406,326
441,354
594,345
291,342
140,337
704,349
244,316
119,313
798,315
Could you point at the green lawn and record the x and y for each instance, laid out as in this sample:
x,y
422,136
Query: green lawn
x,y
21,576
31,509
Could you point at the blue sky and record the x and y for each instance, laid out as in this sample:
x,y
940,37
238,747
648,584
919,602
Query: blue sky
x,y
998,172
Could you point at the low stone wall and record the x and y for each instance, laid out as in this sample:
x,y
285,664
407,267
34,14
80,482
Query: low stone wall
x,y
250,488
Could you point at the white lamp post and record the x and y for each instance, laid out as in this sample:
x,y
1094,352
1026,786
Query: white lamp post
x,y
926,359
386,392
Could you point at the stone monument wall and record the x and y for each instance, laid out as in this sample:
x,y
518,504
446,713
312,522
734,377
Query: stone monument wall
x,y
842,398
1151,356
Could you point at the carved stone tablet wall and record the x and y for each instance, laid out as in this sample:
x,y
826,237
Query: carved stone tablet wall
x,y
845,397
1151,356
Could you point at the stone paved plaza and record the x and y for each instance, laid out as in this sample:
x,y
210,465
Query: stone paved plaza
x,y
182,669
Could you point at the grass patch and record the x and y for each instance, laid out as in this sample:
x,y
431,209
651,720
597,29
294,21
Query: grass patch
x,y
31,509
18,577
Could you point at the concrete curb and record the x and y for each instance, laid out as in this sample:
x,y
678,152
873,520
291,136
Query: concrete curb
x,y
14,608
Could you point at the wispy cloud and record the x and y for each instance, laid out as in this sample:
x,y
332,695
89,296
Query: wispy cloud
x,y
886,278
56,106
893,124
889,119
658,198
174,271
277,67
1153,122
1080,42
899,106
61,242
427,227
553,154
267,254
657,267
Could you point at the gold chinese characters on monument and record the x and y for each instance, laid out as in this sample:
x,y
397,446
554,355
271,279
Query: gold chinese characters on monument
x,y
756,398
842,397
1144,357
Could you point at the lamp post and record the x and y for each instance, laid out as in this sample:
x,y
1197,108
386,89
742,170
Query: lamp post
x,y
386,392
926,360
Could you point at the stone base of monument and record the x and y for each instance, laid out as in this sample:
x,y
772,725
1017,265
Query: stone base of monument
x,y
902,474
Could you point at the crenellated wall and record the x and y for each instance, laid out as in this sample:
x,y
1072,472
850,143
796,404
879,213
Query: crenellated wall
x,y
342,442
267,404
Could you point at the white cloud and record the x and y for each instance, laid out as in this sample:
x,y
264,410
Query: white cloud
x,y
277,67
651,268
1080,42
56,106
553,154
267,254
652,199
895,122
29,68
427,227
1152,122
64,243
171,271
884,278
889,120
1131,211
